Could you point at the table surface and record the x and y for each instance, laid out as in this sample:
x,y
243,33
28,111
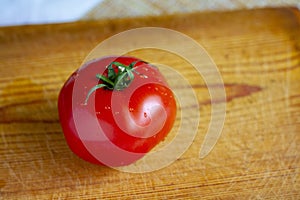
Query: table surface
x,y
257,156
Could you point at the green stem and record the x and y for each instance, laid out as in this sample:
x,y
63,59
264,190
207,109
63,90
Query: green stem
x,y
105,79
115,80
96,87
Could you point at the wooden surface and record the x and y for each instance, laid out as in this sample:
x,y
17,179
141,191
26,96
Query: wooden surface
x,y
257,156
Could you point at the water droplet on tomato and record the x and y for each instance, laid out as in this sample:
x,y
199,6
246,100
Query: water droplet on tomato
x,y
131,109
143,76
145,115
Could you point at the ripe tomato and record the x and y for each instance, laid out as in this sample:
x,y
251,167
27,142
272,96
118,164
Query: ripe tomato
x,y
114,110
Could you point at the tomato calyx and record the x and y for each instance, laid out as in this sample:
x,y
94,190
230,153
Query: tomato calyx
x,y
119,76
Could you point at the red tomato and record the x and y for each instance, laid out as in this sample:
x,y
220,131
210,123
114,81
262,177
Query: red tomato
x,y
114,110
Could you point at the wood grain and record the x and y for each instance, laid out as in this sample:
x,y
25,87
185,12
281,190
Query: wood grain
x,y
257,156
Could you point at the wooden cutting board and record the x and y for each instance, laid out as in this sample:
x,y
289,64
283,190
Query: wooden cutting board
x,y
257,156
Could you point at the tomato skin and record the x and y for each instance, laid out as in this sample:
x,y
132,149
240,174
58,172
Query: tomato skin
x,y
134,119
